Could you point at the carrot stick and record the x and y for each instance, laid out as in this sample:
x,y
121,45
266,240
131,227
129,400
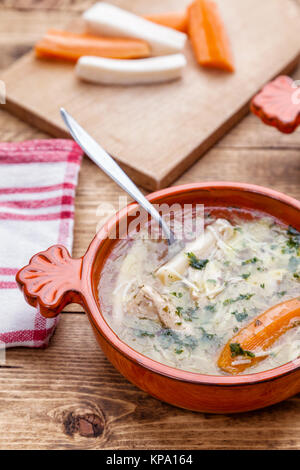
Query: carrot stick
x,y
71,46
259,335
174,20
208,36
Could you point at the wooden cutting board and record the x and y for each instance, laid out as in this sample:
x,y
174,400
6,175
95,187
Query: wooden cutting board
x,y
157,131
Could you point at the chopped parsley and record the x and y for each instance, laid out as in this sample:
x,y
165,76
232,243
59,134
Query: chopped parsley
x,y
262,286
178,351
237,350
208,336
178,311
240,316
195,262
177,294
294,241
240,297
144,334
292,244
210,308
250,261
246,275
190,313
282,293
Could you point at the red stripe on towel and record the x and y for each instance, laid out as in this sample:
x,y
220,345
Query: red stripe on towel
x,y
47,157
26,335
8,271
38,189
39,146
8,285
37,218
39,203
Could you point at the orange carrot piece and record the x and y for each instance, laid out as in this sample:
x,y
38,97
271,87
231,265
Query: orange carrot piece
x,y
259,335
208,36
71,46
175,20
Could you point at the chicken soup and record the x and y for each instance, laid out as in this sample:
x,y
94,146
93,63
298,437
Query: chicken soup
x,y
202,310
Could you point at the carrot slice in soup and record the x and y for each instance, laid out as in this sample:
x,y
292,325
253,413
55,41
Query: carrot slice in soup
x,y
174,20
259,335
208,35
71,46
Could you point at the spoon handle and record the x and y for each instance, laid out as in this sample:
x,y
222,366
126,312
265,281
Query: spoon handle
x,y
99,156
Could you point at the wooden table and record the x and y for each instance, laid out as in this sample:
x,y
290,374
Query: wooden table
x,y
69,396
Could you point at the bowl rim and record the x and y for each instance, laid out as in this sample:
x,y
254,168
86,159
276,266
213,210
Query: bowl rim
x,y
109,335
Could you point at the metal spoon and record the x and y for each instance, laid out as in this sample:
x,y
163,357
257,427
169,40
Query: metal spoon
x,y
112,169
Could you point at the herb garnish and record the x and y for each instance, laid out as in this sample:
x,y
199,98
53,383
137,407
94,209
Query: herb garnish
x,y
246,275
189,314
205,335
240,297
210,308
144,333
178,351
282,293
259,268
178,311
250,261
240,316
168,338
195,262
237,350
294,240
177,294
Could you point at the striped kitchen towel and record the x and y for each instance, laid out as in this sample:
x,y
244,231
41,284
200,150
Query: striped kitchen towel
x,y
37,188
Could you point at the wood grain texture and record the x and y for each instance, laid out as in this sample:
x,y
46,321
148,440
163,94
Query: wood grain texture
x,y
21,29
63,396
145,127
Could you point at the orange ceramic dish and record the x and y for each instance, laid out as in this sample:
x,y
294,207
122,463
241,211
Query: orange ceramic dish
x,y
53,279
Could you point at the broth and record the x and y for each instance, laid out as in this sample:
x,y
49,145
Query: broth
x,y
181,312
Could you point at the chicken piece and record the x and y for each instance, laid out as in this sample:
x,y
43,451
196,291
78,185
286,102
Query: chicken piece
x,y
216,233
149,303
141,306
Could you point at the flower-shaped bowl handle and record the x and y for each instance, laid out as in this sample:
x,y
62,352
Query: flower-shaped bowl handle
x,y
278,104
51,280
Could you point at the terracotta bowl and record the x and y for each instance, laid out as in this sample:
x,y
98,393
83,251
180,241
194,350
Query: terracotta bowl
x,y
53,279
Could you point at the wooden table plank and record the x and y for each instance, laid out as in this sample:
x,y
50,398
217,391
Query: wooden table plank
x,y
48,397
